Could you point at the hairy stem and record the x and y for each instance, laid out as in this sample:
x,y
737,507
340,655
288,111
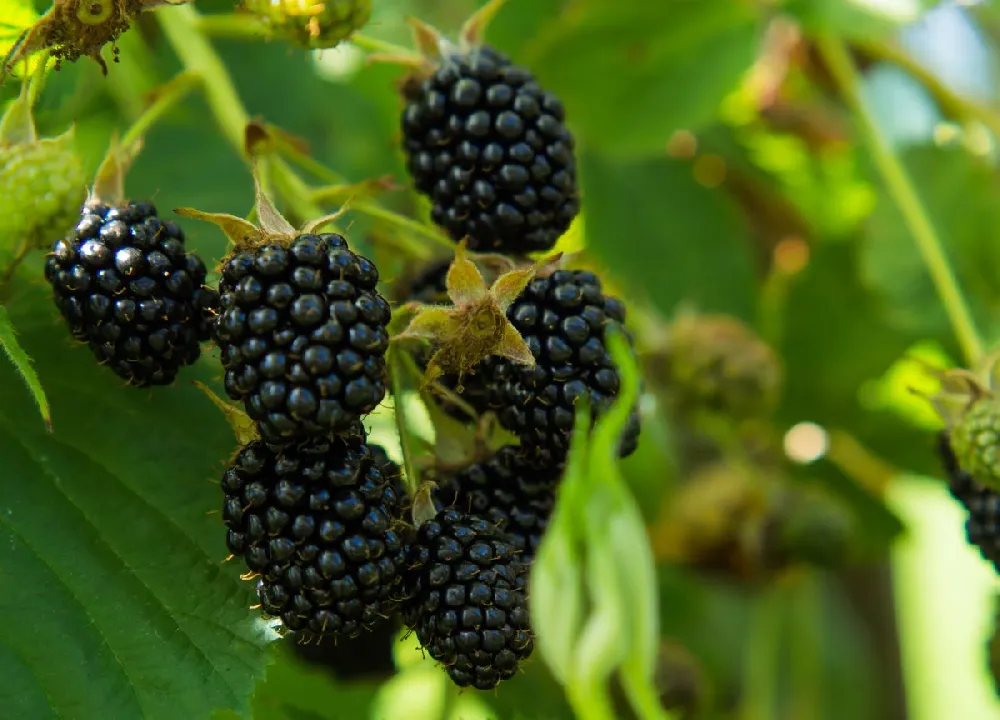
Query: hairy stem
x,y
396,386
901,190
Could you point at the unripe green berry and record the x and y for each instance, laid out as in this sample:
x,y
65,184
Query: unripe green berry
x,y
975,439
42,187
312,24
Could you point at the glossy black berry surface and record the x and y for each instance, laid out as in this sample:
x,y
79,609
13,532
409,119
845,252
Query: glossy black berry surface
x,y
490,149
509,491
321,525
127,286
982,527
303,336
563,318
464,597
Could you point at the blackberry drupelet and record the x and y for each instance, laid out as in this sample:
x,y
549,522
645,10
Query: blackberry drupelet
x,y
321,525
125,284
982,527
508,491
490,149
303,336
562,318
463,592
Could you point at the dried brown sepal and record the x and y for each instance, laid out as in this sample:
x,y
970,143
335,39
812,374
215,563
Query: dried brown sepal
x,y
474,28
475,326
424,508
72,29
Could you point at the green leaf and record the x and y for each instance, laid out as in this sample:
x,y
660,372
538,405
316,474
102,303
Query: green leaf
x,y
633,72
111,545
856,18
655,209
958,190
8,341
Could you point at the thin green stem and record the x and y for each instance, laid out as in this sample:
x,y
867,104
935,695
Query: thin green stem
x,y
804,647
643,697
901,189
232,26
165,98
375,45
296,193
180,25
396,387
393,218
952,104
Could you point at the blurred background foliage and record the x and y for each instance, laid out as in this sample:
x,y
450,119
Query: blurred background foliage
x,y
722,173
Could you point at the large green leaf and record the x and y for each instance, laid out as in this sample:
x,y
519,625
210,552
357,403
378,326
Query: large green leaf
x,y
111,557
856,18
959,192
672,239
633,72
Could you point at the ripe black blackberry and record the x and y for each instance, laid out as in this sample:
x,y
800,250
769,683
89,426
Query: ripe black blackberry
x,y
982,527
125,284
490,149
463,592
303,335
320,524
509,491
563,318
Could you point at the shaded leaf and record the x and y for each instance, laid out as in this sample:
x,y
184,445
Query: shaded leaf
x,y
668,237
625,69
109,556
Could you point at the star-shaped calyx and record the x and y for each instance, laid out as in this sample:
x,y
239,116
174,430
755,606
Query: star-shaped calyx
x,y
432,46
475,326
271,227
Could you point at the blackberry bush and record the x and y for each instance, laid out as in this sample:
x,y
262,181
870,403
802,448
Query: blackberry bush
x,y
489,147
463,595
126,285
320,524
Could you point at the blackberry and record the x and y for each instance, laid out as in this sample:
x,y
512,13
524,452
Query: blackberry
x,y
982,527
320,524
562,318
510,492
490,149
303,335
126,285
464,596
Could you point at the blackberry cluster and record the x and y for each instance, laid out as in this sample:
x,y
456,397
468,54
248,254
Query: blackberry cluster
x,y
319,523
508,491
303,336
463,593
562,318
126,285
490,149
982,528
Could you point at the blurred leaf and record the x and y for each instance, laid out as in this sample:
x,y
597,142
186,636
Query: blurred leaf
x,y
959,192
856,18
672,239
109,557
14,351
632,72
293,690
16,16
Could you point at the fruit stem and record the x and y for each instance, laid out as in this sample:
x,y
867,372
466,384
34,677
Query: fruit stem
x,y
590,700
374,45
164,98
903,193
180,24
411,476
